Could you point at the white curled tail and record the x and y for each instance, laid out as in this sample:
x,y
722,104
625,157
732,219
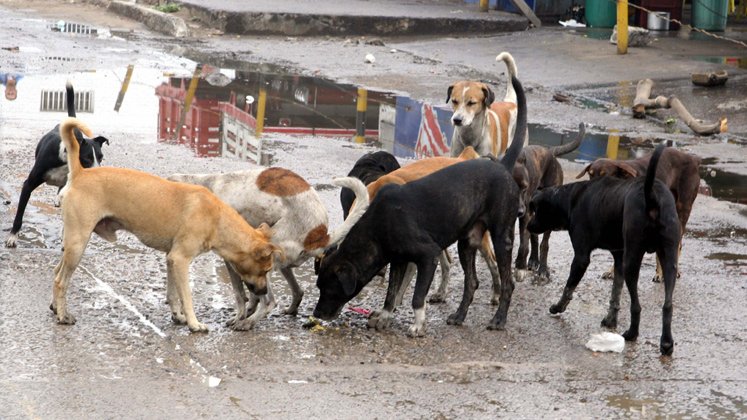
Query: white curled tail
x,y
360,205
512,72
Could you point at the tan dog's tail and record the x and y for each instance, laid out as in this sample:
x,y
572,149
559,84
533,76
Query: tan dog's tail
x,y
360,205
512,72
67,133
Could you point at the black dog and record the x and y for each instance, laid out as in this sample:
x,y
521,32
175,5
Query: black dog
x,y
50,165
368,169
414,222
628,217
538,168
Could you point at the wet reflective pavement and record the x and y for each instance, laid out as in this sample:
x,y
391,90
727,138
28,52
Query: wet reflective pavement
x,y
125,358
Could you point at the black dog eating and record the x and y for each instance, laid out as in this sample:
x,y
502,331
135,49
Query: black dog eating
x,y
368,169
50,164
628,217
414,222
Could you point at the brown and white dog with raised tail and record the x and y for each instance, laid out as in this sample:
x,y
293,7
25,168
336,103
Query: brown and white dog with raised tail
x,y
181,220
480,122
299,221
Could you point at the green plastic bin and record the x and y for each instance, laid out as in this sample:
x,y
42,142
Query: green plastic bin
x,y
710,15
601,13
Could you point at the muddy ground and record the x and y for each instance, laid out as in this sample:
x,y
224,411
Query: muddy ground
x,y
124,357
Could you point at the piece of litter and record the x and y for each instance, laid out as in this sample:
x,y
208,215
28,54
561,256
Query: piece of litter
x,y
318,328
297,381
159,360
213,381
369,58
359,310
606,341
311,323
571,23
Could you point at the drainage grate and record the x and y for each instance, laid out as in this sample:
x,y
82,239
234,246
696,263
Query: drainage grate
x,y
75,28
54,101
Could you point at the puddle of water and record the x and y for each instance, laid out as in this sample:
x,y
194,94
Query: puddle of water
x,y
731,61
725,185
734,260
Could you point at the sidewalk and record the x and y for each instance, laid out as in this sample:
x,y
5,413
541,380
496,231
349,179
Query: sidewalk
x,y
328,17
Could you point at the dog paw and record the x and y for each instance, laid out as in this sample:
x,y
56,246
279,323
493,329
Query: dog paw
x,y
437,297
178,318
455,319
666,347
520,275
244,325
656,278
533,265
198,327
11,241
416,331
609,322
497,326
380,320
557,309
630,335
66,319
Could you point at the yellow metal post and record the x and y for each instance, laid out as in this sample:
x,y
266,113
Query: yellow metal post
x,y
613,144
484,5
188,100
622,26
360,116
261,104
123,89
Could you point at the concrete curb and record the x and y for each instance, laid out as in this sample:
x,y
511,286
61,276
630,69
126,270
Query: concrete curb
x,y
157,21
295,24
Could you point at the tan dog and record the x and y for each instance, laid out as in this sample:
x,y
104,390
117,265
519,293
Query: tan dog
x,y
420,169
480,122
179,219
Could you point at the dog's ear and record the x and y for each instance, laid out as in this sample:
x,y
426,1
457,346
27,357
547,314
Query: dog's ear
x,y
489,96
101,140
624,170
586,170
448,93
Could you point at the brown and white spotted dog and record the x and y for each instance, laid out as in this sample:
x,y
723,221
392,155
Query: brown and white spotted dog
x,y
299,221
480,122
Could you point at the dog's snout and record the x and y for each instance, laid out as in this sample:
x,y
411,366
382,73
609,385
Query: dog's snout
x,y
457,121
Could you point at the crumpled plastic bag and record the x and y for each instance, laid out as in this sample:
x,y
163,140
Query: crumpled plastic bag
x,y
606,341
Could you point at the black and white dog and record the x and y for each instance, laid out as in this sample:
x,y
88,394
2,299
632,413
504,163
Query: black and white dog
x,y
50,165
628,217
368,169
414,222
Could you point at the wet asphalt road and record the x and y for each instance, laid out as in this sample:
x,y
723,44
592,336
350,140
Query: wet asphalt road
x,y
124,357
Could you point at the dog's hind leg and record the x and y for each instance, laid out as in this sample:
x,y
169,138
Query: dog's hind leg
x,y
610,321
296,291
668,254
178,267
440,295
381,319
524,240
631,269
541,269
578,267
71,256
172,297
503,245
426,269
467,260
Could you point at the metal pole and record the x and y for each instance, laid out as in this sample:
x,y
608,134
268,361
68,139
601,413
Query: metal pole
x,y
360,116
261,105
188,100
622,26
123,89
484,5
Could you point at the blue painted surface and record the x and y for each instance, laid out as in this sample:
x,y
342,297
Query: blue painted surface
x,y
409,120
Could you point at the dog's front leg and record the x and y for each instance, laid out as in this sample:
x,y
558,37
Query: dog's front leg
x,y
426,269
610,321
178,265
239,294
29,185
467,260
263,308
381,319
578,268
296,291
443,261
542,270
172,297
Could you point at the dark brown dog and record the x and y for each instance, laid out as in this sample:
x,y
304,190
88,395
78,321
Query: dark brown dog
x,y
538,168
679,171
